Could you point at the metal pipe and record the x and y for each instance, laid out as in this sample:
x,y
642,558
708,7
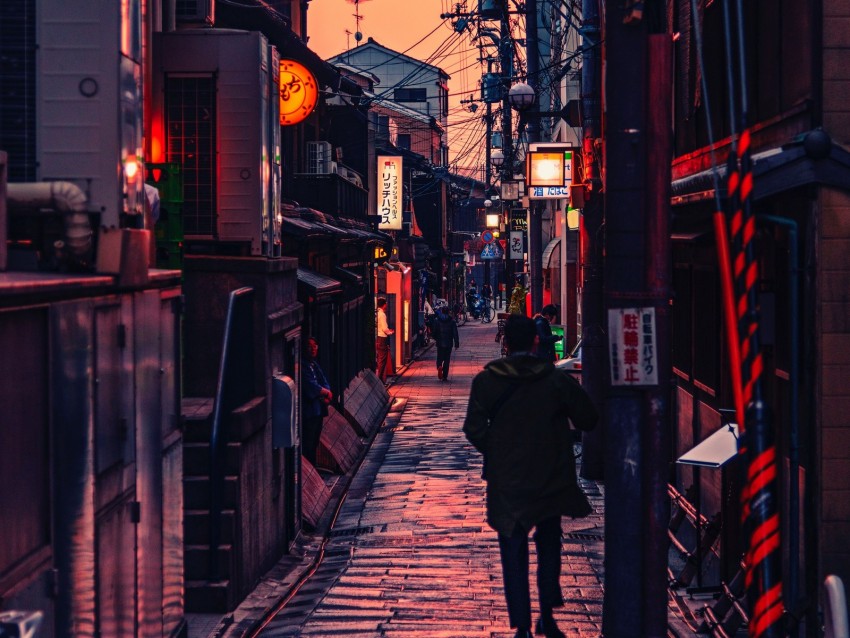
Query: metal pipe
x,y
794,401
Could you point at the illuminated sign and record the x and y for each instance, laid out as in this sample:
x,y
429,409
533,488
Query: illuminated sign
x,y
389,192
298,92
519,219
549,174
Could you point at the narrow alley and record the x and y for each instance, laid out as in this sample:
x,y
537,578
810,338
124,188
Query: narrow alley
x,y
409,553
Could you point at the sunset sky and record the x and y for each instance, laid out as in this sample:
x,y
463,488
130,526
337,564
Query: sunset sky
x,y
415,28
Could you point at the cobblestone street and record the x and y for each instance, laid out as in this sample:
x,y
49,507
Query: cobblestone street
x,y
410,553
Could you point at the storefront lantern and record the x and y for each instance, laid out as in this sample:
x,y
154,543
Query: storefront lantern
x,y
298,92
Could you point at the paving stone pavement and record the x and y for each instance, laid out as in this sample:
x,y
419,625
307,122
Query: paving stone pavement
x,y
410,554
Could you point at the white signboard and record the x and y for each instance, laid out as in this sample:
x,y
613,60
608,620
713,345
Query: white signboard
x,y
549,192
632,346
390,192
515,244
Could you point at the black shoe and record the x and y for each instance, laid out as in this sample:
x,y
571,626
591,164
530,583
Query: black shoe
x,y
546,626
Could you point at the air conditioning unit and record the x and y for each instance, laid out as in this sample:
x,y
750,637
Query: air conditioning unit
x,y
221,80
195,11
319,158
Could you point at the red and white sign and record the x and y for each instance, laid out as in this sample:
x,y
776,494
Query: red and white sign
x,y
632,346
390,192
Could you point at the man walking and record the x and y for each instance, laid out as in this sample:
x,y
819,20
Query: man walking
x,y
517,418
382,339
445,334
547,340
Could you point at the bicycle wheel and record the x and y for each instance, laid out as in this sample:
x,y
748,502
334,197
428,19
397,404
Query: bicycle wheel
x,y
460,315
487,314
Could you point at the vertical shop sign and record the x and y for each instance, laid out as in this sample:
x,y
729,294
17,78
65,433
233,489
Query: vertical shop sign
x,y
632,346
389,192
516,244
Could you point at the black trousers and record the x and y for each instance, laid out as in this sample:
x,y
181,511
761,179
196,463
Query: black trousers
x,y
444,358
514,553
382,348
311,431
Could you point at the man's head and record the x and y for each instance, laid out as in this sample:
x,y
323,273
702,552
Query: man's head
x,y
520,333
381,302
550,312
312,348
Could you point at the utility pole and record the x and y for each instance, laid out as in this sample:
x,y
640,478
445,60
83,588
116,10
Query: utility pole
x,y
637,266
506,60
592,332
535,212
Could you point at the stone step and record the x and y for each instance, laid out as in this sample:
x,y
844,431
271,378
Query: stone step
x,y
196,493
196,526
196,561
196,459
205,597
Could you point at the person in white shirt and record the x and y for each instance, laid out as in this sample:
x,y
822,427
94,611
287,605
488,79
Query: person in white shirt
x,y
382,339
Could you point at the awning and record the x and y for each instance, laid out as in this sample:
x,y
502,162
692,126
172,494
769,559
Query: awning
x,y
716,450
811,159
349,275
319,285
552,254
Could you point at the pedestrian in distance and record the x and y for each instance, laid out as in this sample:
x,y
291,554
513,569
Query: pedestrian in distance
x,y
486,290
316,397
382,339
518,418
546,340
445,335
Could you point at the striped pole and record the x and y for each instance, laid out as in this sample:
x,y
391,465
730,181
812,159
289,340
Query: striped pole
x,y
760,507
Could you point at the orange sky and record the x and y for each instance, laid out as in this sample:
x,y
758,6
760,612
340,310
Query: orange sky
x,y
396,24
399,25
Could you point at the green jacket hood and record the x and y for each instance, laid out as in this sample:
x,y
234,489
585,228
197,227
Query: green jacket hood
x,y
520,367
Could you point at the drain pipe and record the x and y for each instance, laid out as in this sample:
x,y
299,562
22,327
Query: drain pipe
x,y
794,433
63,197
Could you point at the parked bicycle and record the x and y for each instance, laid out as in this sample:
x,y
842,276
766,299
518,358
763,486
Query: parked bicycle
x,y
481,308
485,309
459,313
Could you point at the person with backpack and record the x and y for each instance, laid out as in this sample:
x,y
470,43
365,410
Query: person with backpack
x,y
518,417
444,331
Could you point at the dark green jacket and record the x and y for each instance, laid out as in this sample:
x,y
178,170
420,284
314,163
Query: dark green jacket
x,y
528,448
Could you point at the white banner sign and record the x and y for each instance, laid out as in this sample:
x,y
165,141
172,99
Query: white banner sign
x,y
515,244
390,192
632,346
549,192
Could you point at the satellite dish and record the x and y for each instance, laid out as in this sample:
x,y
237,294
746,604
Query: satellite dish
x,y
358,36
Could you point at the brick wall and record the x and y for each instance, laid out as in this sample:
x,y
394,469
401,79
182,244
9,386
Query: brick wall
x,y
833,399
836,69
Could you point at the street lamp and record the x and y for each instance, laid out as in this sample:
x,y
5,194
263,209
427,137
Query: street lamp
x,y
497,158
521,96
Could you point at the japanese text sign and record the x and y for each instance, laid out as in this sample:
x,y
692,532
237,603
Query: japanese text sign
x,y
389,192
632,346
516,244
298,92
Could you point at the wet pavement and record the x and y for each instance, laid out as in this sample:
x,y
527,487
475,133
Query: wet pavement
x,y
407,551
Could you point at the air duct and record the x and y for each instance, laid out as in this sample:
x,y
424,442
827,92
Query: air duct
x,y
63,197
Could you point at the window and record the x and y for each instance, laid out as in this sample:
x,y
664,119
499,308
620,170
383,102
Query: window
x,y
409,95
403,141
190,109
